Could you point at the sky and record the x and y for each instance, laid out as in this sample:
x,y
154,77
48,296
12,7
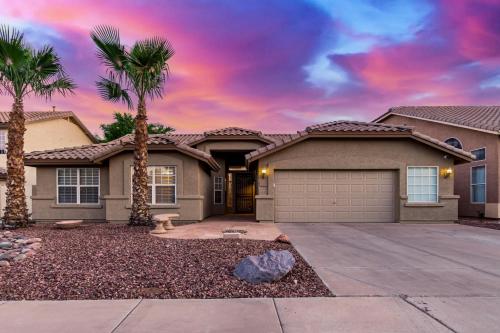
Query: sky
x,y
277,65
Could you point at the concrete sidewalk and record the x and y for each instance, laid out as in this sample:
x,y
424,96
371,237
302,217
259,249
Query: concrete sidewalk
x,y
337,314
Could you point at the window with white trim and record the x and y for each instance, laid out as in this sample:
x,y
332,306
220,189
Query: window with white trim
x,y
480,154
162,183
78,185
218,190
478,184
422,184
3,142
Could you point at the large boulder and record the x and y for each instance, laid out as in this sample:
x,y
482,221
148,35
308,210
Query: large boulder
x,y
269,267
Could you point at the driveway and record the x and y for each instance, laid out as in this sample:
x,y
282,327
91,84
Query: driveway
x,y
449,272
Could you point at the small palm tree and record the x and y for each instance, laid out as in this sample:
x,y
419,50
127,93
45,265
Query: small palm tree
x,y
141,71
24,71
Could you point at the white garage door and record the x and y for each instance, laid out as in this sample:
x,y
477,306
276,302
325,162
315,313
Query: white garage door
x,y
334,196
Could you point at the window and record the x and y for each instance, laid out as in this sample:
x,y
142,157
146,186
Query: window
x,y
3,142
218,190
78,186
454,142
161,185
479,153
422,184
478,184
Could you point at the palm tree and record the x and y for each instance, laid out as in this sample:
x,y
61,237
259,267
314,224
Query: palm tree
x,y
24,71
140,70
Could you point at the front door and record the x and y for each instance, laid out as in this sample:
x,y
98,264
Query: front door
x,y
244,192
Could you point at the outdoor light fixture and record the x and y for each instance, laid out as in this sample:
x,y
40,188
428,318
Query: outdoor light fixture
x,y
263,172
446,172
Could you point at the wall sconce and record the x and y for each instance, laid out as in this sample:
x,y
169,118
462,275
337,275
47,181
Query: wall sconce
x,y
263,172
446,172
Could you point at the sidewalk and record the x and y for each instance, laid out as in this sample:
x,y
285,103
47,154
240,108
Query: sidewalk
x,y
339,314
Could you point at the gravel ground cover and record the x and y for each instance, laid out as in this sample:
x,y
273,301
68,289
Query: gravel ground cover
x,y
482,223
119,262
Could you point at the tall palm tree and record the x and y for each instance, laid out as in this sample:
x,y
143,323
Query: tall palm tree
x,y
24,71
140,70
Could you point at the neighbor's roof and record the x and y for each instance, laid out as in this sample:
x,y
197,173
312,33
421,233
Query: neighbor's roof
x,y
484,118
98,152
36,116
3,173
356,128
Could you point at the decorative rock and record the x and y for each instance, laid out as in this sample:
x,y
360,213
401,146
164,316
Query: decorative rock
x,y
231,235
68,224
33,240
35,246
5,245
20,257
4,263
283,238
271,266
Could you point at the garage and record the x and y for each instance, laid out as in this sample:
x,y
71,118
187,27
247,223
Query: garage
x,y
335,196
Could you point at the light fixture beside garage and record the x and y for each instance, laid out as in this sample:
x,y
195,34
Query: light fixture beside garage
x,y
264,171
446,172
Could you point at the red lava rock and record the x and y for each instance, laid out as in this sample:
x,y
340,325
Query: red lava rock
x,y
283,238
482,223
117,262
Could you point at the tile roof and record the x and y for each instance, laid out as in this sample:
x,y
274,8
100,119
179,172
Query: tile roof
x,y
3,173
478,117
354,127
232,131
95,152
34,116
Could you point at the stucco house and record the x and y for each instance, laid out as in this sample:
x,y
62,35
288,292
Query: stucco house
x,y
44,130
472,128
335,172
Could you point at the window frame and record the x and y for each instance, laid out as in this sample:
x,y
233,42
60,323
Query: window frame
x,y
408,184
221,190
479,149
78,186
153,189
5,133
453,137
485,185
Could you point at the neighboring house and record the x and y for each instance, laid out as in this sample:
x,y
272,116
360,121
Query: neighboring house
x,y
44,130
335,172
472,128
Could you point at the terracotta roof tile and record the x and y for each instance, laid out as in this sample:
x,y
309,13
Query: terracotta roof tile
x,y
91,153
232,131
355,126
480,117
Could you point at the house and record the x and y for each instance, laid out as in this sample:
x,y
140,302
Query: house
x,y
472,128
44,130
334,172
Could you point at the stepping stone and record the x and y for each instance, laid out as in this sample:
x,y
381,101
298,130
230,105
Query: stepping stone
x,y
68,224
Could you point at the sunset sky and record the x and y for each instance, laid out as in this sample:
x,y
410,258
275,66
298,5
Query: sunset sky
x,y
281,65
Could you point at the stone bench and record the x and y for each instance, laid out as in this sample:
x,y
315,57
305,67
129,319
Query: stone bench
x,y
68,224
163,223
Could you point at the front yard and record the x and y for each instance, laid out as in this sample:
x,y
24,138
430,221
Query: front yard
x,y
117,262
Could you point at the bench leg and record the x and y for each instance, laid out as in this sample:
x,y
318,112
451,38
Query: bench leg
x,y
168,224
159,228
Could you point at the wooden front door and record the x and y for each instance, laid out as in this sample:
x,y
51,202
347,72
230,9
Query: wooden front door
x,y
244,192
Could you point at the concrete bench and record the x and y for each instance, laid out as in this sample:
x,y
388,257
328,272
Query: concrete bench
x,y
68,224
163,223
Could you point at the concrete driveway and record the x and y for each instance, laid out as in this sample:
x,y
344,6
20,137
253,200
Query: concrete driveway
x,y
449,272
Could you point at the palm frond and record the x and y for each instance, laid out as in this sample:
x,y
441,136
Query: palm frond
x,y
109,48
62,85
45,63
111,90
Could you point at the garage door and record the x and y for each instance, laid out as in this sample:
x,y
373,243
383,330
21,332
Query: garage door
x,y
334,196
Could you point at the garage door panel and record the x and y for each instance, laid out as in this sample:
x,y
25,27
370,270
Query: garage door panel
x,y
335,196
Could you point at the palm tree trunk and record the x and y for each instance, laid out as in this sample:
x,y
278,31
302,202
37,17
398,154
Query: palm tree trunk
x,y
16,212
140,214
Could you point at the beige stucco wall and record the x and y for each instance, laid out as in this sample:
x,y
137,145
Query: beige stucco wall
x,y
46,209
190,198
227,145
470,140
363,154
43,135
